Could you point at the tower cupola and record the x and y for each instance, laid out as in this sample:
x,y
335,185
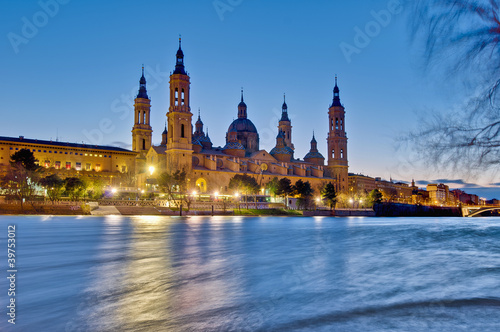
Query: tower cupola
x,y
142,86
242,108
284,111
179,64
336,94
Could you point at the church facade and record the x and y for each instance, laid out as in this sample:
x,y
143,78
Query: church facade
x,y
189,148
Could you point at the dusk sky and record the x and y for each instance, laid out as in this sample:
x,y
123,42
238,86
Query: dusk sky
x,y
71,68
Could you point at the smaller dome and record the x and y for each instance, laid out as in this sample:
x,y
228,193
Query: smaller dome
x,y
233,146
282,150
313,140
312,155
164,131
143,79
197,142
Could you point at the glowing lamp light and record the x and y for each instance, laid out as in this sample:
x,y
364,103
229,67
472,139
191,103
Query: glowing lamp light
x,y
237,195
194,193
113,190
351,200
151,170
216,194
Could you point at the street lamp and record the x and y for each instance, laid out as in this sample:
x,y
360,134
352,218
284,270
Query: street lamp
x,y
151,170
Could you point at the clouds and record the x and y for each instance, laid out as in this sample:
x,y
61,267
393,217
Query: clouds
x,y
456,183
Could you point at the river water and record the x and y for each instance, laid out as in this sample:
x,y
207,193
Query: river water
x,y
253,274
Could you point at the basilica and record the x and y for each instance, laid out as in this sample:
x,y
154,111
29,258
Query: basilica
x,y
210,167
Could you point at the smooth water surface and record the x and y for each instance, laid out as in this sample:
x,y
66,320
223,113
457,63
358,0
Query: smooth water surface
x,y
254,274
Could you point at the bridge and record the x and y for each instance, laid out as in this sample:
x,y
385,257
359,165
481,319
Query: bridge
x,y
476,210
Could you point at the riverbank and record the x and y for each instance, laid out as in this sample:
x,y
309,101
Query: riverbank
x,y
46,209
78,208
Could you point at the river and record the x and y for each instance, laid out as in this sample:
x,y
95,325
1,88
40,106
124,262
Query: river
x,y
149,273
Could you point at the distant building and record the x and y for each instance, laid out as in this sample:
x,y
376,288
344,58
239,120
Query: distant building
x,y
394,192
461,197
438,194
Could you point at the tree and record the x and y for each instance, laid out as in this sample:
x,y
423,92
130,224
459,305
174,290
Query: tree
x,y
284,189
389,194
175,185
244,183
375,196
304,192
329,194
95,188
272,186
24,175
54,186
75,188
465,34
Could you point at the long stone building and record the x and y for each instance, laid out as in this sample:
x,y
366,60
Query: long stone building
x,y
115,165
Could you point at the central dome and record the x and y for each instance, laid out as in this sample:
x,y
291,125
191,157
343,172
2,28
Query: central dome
x,y
242,125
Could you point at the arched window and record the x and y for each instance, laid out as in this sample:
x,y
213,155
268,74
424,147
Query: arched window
x,y
176,97
144,118
341,124
342,153
337,123
138,117
333,153
182,130
182,97
143,144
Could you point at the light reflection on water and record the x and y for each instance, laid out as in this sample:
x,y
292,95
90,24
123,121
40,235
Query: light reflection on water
x,y
257,274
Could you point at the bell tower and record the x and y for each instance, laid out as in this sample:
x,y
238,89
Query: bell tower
x,y
337,143
179,133
285,125
142,131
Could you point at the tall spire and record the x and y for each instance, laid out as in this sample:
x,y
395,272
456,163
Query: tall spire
x,y
142,86
284,110
242,108
179,64
336,94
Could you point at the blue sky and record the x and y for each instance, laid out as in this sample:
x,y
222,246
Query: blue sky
x,y
75,75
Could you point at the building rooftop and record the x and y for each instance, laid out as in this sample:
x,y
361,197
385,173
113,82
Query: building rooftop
x,y
21,139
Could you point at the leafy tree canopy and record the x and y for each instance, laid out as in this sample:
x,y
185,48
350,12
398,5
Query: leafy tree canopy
x,y
244,183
